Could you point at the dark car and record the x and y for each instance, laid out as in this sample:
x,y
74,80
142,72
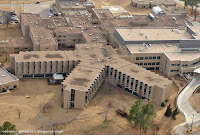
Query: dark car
x,y
51,10
55,14
12,13
37,2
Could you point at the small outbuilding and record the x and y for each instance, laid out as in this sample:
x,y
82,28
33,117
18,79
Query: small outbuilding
x,y
157,10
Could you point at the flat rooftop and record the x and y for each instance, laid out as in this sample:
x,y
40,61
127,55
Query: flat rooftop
x,y
80,21
82,77
24,42
155,48
6,77
31,19
65,5
172,51
42,36
88,57
183,56
103,13
134,34
60,22
49,23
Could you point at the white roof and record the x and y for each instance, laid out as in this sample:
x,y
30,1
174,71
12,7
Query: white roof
x,y
58,77
197,70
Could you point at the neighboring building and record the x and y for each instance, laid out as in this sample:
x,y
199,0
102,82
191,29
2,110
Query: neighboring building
x,y
42,39
7,81
176,53
21,44
143,3
75,7
28,20
86,68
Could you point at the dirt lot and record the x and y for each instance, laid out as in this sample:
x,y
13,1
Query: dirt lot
x,y
21,1
81,122
195,100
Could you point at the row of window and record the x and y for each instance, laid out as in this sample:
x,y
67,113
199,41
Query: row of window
x,y
174,70
45,66
175,64
148,58
128,80
153,63
196,63
93,88
185,65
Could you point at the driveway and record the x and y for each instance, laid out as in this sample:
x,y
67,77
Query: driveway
x,y
183,100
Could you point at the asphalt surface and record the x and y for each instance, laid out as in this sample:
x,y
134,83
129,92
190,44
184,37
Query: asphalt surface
x,y
183,100
42,8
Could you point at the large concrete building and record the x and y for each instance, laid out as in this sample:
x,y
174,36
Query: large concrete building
x,y
107,47
176,53
86,68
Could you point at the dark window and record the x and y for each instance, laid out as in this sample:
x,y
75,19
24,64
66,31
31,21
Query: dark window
x,y
72,97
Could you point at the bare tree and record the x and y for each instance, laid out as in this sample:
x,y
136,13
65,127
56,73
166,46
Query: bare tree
x,y
55,128
19,113
107,109
6,18
46,107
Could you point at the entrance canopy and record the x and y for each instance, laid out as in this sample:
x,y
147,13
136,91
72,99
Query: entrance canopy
x,y
197,70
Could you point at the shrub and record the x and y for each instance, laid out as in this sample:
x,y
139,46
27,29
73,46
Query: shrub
x,y
166,100
163,104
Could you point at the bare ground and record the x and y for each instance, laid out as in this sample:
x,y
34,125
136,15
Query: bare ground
x,y
21,1
195,101
76,122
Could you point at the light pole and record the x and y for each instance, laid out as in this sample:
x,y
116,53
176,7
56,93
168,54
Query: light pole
x,y
192,122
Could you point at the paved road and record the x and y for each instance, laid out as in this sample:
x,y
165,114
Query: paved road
x,y
183,99
42,8
185,107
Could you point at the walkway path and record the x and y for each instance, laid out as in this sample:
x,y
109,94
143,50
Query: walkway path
x,y
185,107
183,99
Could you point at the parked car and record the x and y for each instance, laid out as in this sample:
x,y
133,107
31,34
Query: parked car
x,y
37,2
14,19
12,13
56,14
51,10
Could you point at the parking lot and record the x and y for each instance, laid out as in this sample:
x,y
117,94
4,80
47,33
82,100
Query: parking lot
x,y
42,8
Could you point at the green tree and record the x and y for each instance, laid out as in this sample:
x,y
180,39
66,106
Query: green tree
x,y
192,4
168,112
175,112
142,115
7,126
